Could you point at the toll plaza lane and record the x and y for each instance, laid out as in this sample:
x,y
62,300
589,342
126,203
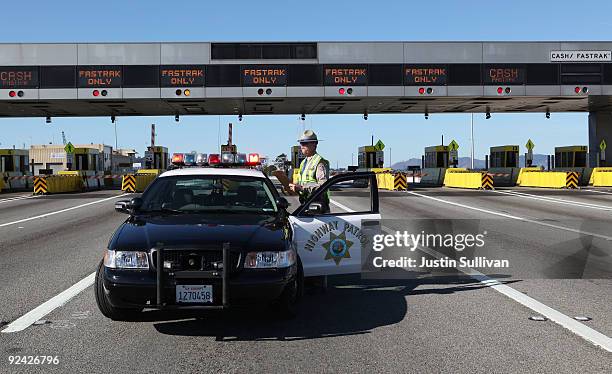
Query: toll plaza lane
x,y
59,243
20,206
546,265
411,325
451,324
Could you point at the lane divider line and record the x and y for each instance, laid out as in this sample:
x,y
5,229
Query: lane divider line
x,y
555,200
17,198
603,192
587,333
50,305
59,211
505,215
341,206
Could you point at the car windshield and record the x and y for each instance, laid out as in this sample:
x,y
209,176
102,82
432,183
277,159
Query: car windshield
x,y
210,193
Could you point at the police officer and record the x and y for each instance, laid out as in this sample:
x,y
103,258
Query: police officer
x,y
314,170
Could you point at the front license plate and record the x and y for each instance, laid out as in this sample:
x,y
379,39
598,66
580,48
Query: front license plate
x,y
199,294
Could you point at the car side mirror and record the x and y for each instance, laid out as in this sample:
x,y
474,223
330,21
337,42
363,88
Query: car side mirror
x,y
135,204
121,206
282,203
314,209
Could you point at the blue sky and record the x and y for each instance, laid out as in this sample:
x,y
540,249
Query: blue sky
x,y
404,135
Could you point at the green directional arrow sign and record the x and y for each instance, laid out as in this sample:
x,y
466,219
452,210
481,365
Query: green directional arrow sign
x,y
379,145
603,145
529,145
453,146
69,148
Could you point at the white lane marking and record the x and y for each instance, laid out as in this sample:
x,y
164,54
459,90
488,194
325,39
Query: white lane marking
x,y
341,206
554,200
60,211
554,315
603,192
17,198
513,217
50,305
580,329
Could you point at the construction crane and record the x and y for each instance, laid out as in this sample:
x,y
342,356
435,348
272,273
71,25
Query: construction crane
x,y
64,138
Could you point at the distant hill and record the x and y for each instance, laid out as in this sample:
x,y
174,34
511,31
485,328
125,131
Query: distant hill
x,y
465,162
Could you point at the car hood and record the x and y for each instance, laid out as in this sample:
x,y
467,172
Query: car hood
x,y
253,232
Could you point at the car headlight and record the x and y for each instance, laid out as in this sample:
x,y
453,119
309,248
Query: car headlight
x,y
269,260
126,259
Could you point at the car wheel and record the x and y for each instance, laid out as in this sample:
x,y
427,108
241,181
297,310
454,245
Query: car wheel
x,y
109,311
287,305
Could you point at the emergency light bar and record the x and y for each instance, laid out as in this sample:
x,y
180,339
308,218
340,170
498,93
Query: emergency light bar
x,y
253,159
214,159
178,158
190,159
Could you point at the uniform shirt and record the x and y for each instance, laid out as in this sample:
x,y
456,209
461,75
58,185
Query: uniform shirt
x,y
321,174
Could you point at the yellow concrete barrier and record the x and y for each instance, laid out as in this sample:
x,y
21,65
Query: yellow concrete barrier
x,y
463,178
149,171
128,183
527,170
549,179
57,184
143,181
138,182
386,180
601,177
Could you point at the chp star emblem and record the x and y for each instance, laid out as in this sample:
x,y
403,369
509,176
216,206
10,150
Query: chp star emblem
x,y
337,247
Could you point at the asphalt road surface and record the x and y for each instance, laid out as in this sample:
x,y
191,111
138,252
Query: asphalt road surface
x,y
559,240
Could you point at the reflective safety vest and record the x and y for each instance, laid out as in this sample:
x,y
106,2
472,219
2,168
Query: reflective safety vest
x,y
308,173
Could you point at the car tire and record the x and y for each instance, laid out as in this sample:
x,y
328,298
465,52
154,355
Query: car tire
x,y
288,303
109,311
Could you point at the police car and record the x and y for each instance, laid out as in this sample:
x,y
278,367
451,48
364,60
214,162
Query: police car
x,y
213,238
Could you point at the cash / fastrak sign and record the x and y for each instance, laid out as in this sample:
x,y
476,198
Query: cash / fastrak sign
x,y
580,56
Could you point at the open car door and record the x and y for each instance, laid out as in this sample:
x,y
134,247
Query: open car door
x,y
329,239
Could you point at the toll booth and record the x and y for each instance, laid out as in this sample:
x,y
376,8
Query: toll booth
x,y
435,162
14,160
436,157
504,165
85,159
573,158
156,157
368,157
14,163
505,156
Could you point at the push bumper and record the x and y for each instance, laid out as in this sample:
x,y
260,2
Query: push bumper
x,y
157,289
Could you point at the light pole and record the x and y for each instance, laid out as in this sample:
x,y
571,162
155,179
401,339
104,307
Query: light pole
x,y
472,137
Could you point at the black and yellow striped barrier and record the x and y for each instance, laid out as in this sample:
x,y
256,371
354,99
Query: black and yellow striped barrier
x,y
464,178
49,184
399,182
40,186
549,179
128,184
138,182
571,179
392,181
487,181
